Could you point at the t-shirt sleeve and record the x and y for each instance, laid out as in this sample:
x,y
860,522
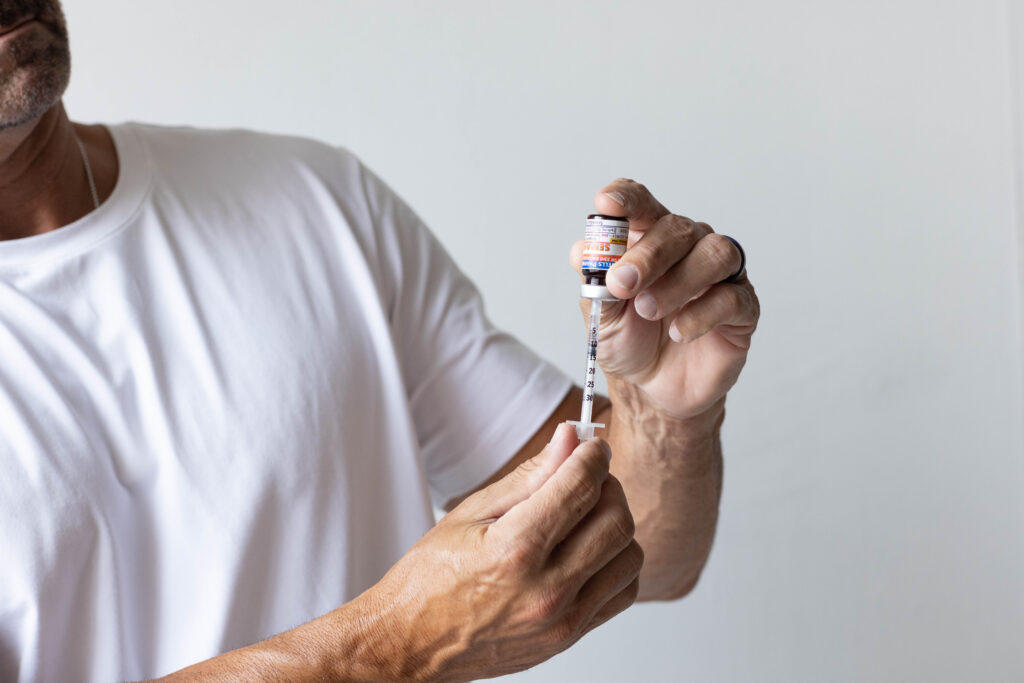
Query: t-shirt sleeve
x,y
476,394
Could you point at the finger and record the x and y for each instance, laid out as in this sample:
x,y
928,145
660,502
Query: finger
x,y
628,198
601,536
734,308
620,603
563,500
525,480
666,243
610,582
711,260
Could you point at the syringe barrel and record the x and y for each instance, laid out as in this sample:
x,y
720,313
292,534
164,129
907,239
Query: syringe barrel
x,y
604,244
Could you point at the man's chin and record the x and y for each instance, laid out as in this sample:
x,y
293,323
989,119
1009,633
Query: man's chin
x,y
24,119
33,78
25,102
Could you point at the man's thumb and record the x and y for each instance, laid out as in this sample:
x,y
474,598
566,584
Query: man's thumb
x,y
522,482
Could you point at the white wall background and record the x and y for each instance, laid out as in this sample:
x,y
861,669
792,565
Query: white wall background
x,y
873,518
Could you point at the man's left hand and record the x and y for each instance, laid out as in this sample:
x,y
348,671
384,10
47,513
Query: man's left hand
x,y
680,333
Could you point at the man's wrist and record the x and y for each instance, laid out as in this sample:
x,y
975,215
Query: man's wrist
x,y
360,644
632,410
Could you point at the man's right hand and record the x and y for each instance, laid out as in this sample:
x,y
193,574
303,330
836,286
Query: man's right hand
x,y
515,574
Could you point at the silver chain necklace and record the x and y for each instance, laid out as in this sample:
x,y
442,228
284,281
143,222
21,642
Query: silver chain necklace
x,y
88,172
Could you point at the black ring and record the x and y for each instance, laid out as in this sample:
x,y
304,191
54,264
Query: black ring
x,y
743,261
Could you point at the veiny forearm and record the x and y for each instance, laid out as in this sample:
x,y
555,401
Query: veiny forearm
x,y
343,645
671,471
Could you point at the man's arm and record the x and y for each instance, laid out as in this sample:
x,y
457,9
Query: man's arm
x,y
672,475
343,645
516,573
671,348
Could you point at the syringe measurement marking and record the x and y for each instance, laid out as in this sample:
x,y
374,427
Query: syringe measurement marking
x,y
588,386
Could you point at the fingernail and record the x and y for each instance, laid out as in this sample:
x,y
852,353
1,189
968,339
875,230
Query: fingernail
x,y
567,432
625,276
646,306
674,334
616,197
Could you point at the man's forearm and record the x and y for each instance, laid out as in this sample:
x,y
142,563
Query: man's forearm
x,y
343,645
671,471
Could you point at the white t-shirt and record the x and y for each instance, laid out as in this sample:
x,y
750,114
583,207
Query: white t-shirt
x,y
226,397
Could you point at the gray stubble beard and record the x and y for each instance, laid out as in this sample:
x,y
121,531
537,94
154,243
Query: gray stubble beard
x,y
35,68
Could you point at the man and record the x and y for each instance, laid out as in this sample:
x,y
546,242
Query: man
x,y
233,370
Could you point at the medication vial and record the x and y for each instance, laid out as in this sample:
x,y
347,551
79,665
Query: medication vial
x,y
604,244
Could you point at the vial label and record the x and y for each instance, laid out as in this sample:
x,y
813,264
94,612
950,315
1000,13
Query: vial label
x,y
604,242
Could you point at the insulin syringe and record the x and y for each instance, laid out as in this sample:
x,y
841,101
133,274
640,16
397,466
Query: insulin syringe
x,y
604,245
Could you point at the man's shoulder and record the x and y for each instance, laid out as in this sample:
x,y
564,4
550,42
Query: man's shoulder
x,y
193,149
